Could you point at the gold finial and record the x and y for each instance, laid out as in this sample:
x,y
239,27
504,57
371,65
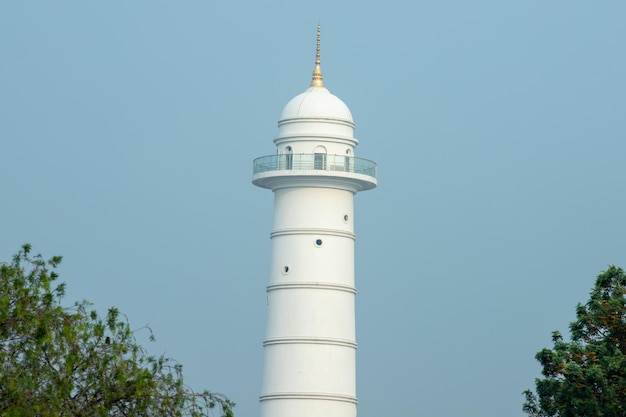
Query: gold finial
x,y
317,72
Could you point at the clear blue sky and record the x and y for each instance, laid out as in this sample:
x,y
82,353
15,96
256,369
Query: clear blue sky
x,y
128,128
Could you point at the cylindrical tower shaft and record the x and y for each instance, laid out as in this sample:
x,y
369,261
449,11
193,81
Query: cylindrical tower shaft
x,y
310,339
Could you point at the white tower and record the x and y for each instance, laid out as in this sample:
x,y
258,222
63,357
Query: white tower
x,y
310,344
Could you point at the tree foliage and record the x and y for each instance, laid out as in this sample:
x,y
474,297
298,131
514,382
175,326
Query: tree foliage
x,y
587,376
58,361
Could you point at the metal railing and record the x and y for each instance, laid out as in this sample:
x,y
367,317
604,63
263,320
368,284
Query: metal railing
x,y
314,161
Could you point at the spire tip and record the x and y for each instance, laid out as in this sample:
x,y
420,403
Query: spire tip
x,y
317,72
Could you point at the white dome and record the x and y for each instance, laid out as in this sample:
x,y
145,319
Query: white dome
x,y
316,103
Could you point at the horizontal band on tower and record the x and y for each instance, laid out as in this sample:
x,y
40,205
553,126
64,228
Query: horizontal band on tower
x,y
308,396
316,137
312,285
310,341
329,120
313,231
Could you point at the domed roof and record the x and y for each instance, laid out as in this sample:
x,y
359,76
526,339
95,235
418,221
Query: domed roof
x,y
316,103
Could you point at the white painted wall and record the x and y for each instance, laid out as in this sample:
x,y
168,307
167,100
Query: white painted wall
x,y
310,342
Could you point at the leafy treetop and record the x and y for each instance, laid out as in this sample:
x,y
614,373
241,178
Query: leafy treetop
x,y
58,361
587,376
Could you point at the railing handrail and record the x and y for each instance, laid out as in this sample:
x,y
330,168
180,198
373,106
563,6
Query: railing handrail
x,y
314,161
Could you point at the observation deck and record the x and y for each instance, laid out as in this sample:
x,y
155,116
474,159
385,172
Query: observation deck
x,y
278,171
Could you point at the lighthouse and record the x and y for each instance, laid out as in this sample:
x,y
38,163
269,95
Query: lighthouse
x,y
310,342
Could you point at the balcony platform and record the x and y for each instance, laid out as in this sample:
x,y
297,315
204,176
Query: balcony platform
x,y
284,170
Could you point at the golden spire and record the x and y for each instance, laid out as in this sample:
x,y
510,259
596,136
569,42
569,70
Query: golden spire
x,y
317,72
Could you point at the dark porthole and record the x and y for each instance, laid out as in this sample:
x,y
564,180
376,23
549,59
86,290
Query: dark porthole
x,y
318,242
286,269
345,218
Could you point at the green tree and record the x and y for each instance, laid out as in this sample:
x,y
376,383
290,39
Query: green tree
x,y
587,376
58,361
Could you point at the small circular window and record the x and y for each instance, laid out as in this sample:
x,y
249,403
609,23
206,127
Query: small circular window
x,y
345,218
318,242
285,269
